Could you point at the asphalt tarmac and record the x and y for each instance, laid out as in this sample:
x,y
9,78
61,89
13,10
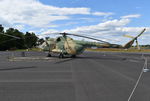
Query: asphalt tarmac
x,y
92,76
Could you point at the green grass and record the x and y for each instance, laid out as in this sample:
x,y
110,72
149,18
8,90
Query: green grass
x,y
117,50
97,50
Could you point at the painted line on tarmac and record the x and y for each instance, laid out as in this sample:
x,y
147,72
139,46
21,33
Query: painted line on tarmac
x,y
30,58
133,61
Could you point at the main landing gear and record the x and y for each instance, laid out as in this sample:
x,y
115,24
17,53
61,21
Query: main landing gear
x,y
49,55
73,56
61,55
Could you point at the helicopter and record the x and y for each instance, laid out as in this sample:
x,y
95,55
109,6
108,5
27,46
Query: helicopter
x,y
65,45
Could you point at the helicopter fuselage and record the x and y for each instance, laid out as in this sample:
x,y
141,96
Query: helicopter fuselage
x,y
65,45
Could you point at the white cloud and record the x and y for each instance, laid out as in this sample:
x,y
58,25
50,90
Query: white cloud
x,y
102,13
112,31
51,31
106,29
34,13
19,27
105,26
131,16
89,19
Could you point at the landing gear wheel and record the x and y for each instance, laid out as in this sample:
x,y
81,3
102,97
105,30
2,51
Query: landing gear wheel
x,y
73,56
61,55
49,55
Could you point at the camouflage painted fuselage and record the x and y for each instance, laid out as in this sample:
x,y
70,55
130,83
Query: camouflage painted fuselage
x,y
67,45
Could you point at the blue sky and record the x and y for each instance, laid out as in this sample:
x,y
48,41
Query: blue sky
x,y
106,19
119,7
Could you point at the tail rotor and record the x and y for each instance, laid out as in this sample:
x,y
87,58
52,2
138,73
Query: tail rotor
x,y
130,43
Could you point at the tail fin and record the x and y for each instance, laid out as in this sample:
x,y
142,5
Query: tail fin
x,y
130,43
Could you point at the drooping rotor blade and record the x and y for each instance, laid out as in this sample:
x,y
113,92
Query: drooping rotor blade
x,y
7,41
85,37
10,36
141,33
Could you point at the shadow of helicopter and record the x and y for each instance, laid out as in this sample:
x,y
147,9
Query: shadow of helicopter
x,y
102,58
64,60
16,68
67,59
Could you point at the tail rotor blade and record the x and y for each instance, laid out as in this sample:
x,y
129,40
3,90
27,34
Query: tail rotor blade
x,y
129,44
128,36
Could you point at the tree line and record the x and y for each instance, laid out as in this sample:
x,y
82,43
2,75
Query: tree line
x,y
27,40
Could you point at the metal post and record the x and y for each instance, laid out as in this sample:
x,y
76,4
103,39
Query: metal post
x,y
144,69
12,55
104,54
142,56
23,54
145,66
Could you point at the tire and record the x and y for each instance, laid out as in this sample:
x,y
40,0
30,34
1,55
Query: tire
x,y
73,56
49,55
61,55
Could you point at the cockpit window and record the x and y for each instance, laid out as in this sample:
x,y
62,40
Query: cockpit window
x,y
58,39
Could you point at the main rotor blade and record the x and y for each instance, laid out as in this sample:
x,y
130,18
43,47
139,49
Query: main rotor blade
x,y
85,37
10,36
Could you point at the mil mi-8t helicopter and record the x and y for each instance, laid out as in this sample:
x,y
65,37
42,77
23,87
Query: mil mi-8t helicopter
x,y
65,45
